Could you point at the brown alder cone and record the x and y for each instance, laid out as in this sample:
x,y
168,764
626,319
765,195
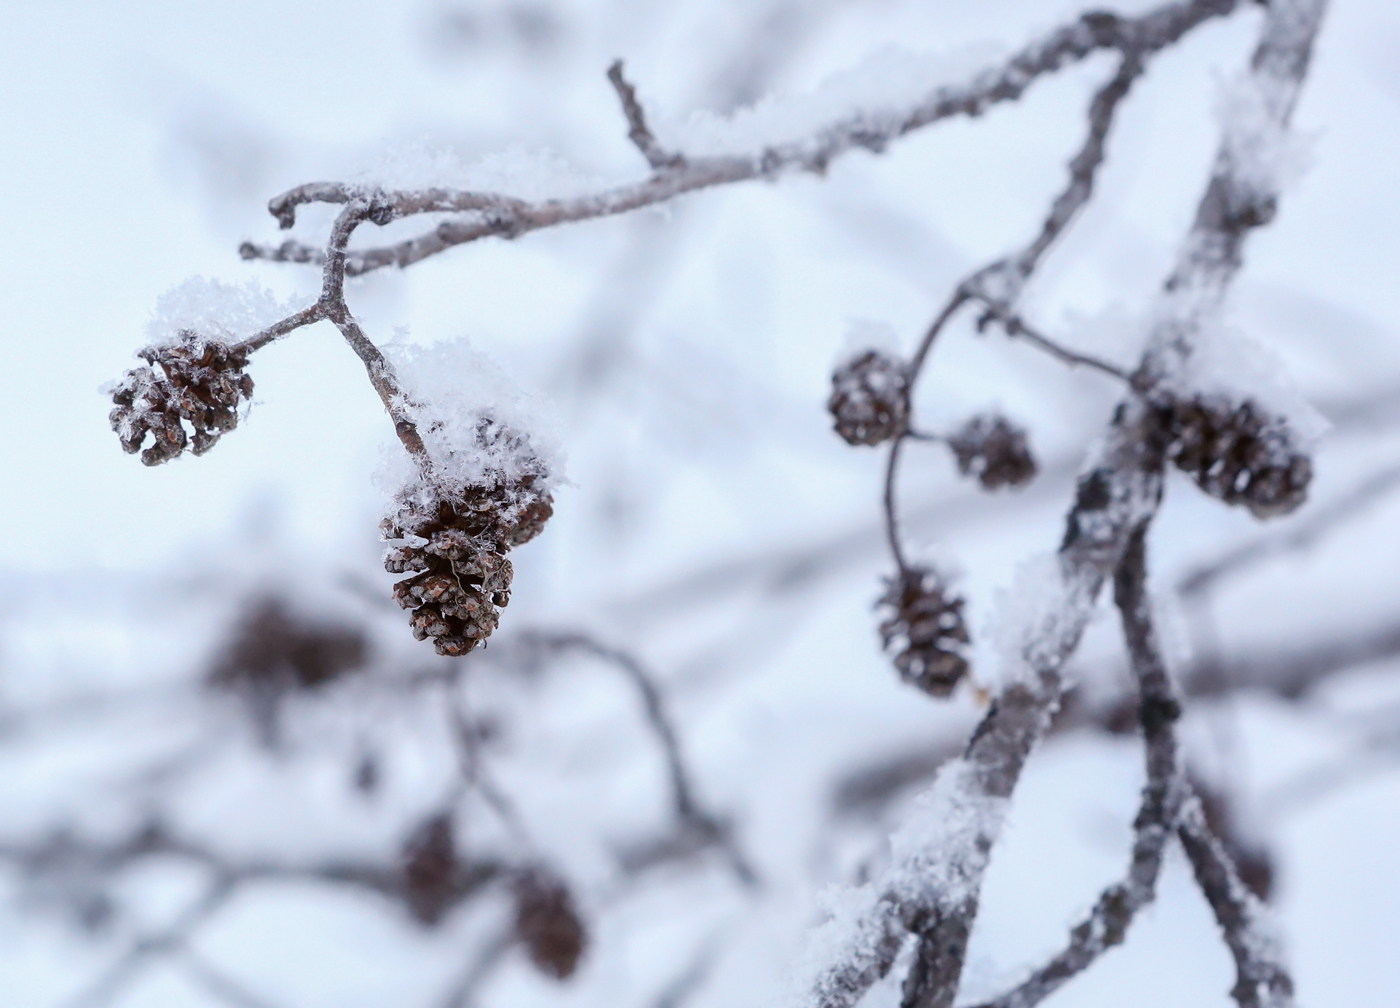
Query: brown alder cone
x,y
1239,454
547,923
994,450
870,398
430,867
925,628
455,543
199,381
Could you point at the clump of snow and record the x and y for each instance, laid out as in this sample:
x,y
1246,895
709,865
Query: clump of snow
x,y
212,308
878,93
1222,363
515,171
477,424
1032,619
1265,156
937,860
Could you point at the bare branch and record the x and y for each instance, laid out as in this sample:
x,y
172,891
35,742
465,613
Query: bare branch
x,y
640,133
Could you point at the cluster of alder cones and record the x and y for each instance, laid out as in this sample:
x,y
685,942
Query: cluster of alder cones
x,y
1235,451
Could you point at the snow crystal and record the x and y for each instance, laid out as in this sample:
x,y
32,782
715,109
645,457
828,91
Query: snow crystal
x,y
227,311
1264,155
1032,618
515,171
878,92
475,421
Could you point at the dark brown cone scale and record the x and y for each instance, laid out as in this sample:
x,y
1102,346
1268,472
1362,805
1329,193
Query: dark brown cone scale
x,y
197,381
456,551
1239,454
870,398
924,627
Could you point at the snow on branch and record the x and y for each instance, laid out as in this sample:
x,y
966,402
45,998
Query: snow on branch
x,y
1115,502
870,125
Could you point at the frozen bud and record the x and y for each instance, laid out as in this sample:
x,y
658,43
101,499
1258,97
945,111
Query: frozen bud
x,y
430,869
456,542
547,923
195,381
1239,454
994,450
870,398
925,630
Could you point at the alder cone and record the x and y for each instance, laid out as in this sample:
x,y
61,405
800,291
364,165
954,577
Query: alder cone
x,y
430,869
994,450
547,923
925,628
1239,454
870,398
200,381
456,548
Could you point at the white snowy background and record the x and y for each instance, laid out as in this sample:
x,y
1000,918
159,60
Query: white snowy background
x,y
714,526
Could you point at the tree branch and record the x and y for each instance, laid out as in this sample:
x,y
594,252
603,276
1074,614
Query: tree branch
x,y
501,215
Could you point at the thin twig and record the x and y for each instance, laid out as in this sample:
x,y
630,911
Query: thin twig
x,y
640,134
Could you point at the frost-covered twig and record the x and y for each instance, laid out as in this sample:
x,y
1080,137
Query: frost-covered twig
x,y
1158,708
500,215
1263,980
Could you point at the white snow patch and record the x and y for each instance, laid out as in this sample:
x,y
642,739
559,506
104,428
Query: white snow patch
x,y
212,308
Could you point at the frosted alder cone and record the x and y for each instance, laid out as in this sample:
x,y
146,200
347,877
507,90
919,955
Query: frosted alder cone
x,y
994,450
199,381
1239,454
456,542
870,398
925,629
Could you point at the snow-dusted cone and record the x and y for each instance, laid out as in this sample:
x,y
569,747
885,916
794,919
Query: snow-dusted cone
x,y
1239,454
198,381
925,629
456,545
870,398
994,450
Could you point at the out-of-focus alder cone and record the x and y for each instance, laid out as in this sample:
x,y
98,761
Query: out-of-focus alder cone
x,y
995,451
1239,454
196,380
430,868
274,651
925,629
870,398
456,543
547,923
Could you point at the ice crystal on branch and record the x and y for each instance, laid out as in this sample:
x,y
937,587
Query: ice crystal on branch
x,y
994,450
870,398
198,380
925,628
